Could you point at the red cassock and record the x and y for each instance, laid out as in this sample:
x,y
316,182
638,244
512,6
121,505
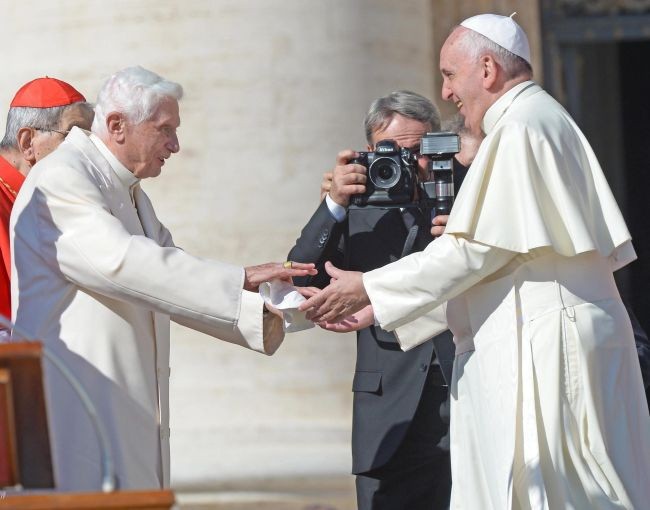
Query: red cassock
x,y
10,181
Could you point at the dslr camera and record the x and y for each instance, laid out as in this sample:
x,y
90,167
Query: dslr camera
x,y
392,176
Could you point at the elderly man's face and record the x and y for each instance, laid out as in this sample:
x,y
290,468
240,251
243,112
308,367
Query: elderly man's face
x,y
147,145
462,81
407,133
44,142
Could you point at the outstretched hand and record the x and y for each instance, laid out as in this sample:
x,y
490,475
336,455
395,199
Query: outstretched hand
x,y
362,319
344,296
275,270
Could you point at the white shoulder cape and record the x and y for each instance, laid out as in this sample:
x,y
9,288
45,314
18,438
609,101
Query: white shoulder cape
x,y
536,182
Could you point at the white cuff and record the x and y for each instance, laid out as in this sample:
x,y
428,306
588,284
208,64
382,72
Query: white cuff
x,y
336,210
251,325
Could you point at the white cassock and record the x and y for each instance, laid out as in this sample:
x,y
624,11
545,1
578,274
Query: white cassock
x,y
97,278
548,407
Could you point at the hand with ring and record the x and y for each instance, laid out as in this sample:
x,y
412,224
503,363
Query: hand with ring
x,y
254,275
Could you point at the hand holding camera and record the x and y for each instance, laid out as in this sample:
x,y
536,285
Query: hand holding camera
x,y
348,178
393,175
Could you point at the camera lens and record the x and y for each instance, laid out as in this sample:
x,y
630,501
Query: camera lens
x,y
384,173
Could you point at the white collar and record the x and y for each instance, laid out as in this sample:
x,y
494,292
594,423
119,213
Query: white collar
x,y
501,105
124,174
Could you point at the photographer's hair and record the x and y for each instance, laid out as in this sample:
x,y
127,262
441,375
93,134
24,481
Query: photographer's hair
x,y
402,102
475,45
43,119
455,124
134,92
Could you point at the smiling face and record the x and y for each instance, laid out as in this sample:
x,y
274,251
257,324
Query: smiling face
x,y
145,146
464,80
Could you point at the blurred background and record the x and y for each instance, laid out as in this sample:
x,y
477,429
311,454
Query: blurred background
x,y
273,90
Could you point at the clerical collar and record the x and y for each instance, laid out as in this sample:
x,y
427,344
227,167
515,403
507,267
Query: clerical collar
x,y
125,176
501,105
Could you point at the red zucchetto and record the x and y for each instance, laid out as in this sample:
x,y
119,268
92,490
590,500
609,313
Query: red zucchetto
x,y
46,93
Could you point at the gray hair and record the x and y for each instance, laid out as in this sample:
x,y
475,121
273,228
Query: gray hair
x,y
134,92
44,119
475,45
401,102
455,124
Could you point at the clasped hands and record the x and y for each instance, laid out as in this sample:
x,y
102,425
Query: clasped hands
x,y
342,306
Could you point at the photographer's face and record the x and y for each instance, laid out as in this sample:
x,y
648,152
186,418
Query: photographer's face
x,y
407,133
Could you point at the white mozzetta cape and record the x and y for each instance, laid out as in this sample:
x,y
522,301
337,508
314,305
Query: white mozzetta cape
x,y
548,407
532,186
97,278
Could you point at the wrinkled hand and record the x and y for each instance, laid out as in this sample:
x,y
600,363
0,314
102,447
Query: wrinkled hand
x,y
308,292
347,179
362,319
438,225
254,275
344,296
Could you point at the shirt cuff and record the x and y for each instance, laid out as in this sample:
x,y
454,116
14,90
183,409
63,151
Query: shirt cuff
x,y
336,210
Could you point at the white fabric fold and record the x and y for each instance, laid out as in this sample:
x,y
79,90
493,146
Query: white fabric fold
x,y
530,187
284,297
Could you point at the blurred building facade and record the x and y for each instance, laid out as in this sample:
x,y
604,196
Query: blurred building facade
x,y
273,90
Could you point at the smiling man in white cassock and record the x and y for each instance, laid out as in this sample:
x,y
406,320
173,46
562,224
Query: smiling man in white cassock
x,y
548,408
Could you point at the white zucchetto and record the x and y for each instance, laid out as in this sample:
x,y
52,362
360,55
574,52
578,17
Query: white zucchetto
x,y
502,30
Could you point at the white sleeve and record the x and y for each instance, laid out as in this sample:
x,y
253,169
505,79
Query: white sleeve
x,y
411,287
90,247
423,328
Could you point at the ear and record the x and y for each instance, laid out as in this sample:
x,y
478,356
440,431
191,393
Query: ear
x,y
115,124
24,139
490,71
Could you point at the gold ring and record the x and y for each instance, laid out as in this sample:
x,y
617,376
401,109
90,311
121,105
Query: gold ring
x,y
287,265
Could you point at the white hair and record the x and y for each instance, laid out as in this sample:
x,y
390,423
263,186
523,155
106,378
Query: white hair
x,y
134,92
475,45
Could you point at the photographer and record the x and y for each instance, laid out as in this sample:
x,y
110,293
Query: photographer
x,y
400,446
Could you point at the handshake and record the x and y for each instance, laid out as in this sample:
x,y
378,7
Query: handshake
x,y
342,306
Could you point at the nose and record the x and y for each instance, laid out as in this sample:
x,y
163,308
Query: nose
x,y
446,92
173,144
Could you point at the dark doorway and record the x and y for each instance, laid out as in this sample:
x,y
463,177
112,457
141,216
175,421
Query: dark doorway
x,y
635,114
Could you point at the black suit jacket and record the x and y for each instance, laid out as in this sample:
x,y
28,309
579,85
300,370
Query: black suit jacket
x,y
387,382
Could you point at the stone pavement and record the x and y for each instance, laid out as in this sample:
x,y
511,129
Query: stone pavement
x,y
332,493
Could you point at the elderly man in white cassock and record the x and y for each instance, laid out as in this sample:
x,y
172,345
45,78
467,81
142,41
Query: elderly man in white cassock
x,y
97,278
548,409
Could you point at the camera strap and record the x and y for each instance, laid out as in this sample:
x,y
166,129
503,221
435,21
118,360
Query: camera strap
x,y
411,221
410,240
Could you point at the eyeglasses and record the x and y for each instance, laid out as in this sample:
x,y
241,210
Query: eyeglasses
x,y
64,133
